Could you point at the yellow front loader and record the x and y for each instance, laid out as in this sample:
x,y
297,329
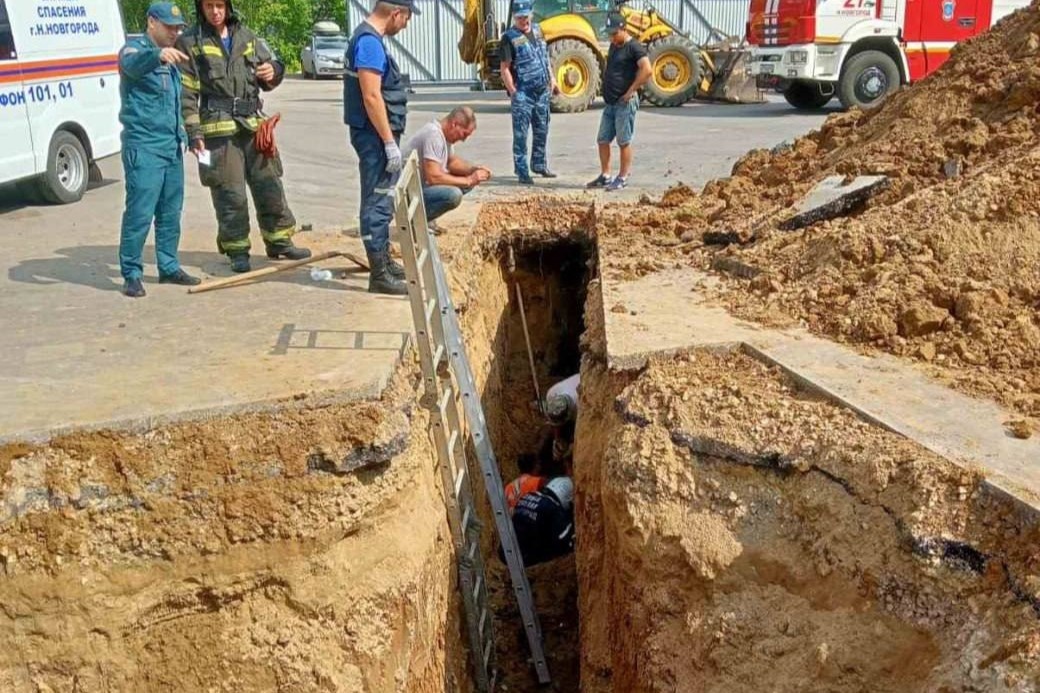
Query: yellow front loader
x,y
574,31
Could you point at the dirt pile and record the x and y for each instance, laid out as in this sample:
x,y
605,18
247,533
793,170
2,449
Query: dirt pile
x,y
738,534
298,549
944,266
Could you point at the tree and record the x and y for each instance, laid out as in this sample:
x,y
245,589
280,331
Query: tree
x,y
134,12
284,24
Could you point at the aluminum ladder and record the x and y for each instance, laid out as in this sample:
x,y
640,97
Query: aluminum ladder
x,y
448,378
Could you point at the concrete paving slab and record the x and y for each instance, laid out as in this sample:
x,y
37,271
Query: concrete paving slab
x,y
833,197
667,312
79,354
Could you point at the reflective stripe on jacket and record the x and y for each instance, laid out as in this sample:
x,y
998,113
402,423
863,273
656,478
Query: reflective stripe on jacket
x,y
215,79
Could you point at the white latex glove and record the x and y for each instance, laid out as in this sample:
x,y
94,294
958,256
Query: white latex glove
x,y
394,160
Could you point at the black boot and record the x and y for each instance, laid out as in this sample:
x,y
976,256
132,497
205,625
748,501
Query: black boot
x,y
289,252
380,280
239,262
396,270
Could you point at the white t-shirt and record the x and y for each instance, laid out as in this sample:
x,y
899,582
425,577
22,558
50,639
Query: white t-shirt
x,y
567,387
429,141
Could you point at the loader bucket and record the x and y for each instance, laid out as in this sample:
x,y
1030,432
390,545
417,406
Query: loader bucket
x,y
731,82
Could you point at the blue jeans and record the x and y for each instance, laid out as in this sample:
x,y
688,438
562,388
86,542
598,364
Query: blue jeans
x,y
441,199
618,121
530,111
377,189
154,190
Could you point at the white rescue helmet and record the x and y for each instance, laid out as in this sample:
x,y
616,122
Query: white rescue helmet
x,y
563,488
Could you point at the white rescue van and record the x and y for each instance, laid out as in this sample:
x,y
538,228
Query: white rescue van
x,y
59,91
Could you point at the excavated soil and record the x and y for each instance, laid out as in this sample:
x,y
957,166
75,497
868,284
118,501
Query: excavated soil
x,y
301,549
942,267
737,534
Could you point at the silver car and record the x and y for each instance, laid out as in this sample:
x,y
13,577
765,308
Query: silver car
x,y
323,56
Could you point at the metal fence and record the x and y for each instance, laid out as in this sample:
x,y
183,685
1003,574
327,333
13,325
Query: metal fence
x,y
428,49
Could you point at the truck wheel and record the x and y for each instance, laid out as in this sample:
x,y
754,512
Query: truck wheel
x,y
577,74
806,96
68,170
866,79
676,77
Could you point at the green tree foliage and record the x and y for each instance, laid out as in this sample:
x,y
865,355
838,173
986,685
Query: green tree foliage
x,y
284,24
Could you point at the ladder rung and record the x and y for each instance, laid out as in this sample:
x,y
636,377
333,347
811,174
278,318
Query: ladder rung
x,y
442,406
477,584
414,205
431,308
482,623
460,478
424,256
438,359
487,652
466,515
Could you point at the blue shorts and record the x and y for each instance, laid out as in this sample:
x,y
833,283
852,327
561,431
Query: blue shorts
x,y
618,121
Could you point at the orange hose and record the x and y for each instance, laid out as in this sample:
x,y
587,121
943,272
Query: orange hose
x,y
264,138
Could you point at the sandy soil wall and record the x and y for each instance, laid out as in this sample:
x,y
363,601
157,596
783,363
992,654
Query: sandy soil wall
x,y
231,555
737,534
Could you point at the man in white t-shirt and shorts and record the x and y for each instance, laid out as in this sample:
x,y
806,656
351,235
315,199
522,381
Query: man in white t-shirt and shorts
x,y
446,177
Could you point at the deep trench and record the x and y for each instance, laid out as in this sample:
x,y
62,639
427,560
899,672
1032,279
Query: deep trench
x,y
552,277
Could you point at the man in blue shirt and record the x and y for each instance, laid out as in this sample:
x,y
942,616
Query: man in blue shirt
x,y
153,149
375,107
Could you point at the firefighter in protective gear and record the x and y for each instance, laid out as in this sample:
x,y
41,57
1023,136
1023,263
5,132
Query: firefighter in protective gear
x,y
229,67
529,81
375,107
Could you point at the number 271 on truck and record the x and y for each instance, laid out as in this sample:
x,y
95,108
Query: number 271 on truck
x,y
859,50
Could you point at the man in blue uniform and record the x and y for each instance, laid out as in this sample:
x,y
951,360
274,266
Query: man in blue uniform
x,y
529,82
544,522
153,149
375,106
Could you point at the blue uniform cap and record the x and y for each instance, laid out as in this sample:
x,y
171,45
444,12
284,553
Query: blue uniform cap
x,y
523,8
409,4
167,13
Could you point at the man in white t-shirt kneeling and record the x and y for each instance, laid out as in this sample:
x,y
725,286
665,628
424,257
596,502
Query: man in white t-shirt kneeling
x,y
446,177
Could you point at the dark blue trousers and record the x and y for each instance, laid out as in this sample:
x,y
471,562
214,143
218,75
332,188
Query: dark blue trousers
x,y
377,188
154,191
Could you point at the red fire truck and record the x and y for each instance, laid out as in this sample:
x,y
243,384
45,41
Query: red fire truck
x,y
859,50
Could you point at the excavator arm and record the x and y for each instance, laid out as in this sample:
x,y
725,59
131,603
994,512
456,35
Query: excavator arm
x,y
474,31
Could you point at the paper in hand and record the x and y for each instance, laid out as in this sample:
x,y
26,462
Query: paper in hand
x,y
204,157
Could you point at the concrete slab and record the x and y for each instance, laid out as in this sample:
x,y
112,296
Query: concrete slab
x,y
667,313
79,354
833,197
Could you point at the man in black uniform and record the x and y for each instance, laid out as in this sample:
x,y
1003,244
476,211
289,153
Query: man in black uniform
x,y
628,69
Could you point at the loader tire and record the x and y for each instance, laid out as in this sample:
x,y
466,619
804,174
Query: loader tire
x,y
866,79
577,73
676,77
806,96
